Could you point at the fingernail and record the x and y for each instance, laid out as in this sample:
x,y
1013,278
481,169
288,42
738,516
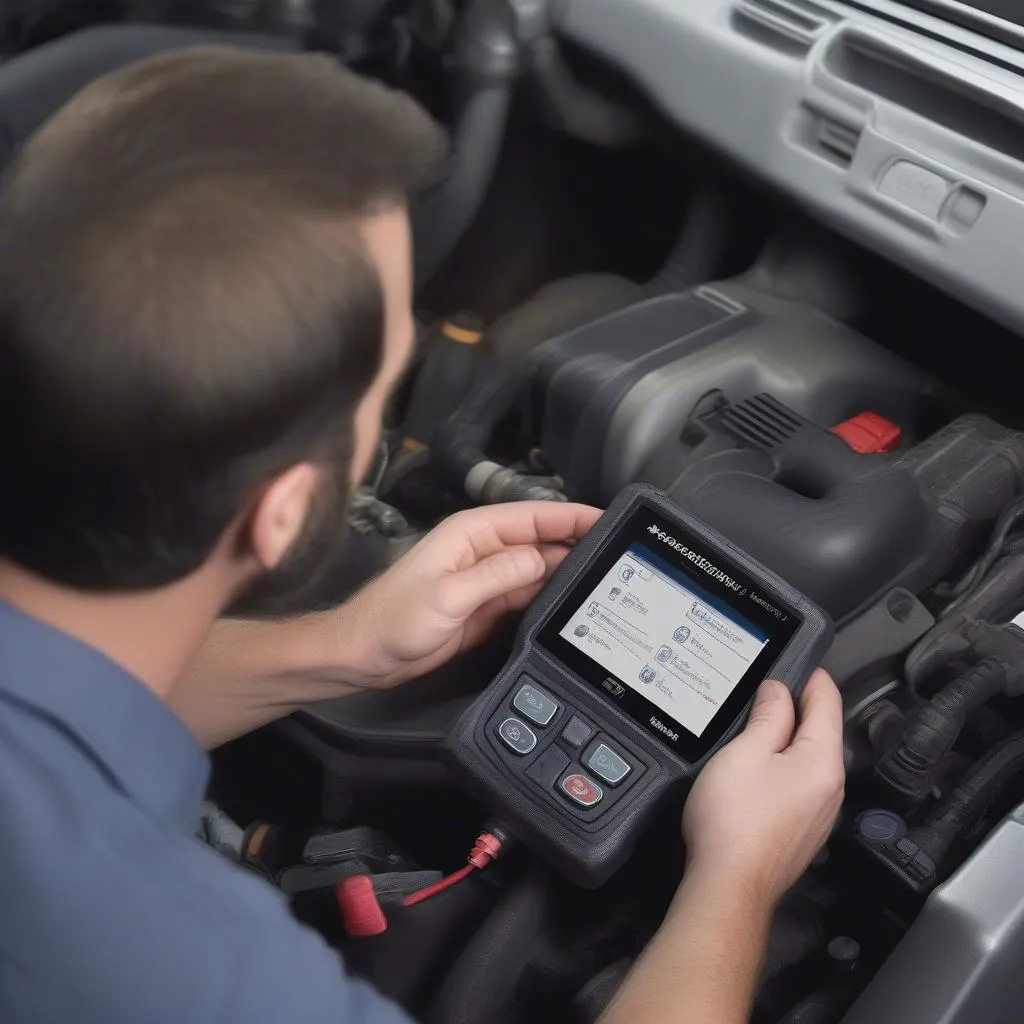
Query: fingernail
x,y
530,562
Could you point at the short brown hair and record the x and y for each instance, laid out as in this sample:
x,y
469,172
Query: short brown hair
x,y
186,307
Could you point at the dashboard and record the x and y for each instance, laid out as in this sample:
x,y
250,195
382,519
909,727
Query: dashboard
x,y
901,128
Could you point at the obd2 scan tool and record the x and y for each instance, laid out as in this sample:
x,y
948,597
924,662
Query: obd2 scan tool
x,y
636,663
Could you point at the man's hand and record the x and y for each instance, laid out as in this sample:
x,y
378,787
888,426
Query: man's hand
x,y
764,806
451,589
444,596
757,815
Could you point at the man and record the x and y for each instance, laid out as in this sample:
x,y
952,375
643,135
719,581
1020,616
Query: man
x,y
204,303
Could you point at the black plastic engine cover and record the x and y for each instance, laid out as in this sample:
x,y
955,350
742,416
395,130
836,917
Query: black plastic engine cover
x,y
840,526
722,397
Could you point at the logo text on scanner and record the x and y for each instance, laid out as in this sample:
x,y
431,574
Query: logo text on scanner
x,y
663,728
697,559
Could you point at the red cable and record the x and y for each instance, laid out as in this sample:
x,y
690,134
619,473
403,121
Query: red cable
x,y
485,849
432,890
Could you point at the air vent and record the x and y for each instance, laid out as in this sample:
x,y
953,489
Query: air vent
x,y
837,139
790,25
761,421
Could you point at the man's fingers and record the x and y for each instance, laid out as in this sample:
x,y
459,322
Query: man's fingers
x,y
821,709
772,717
493,527
506,572
820,733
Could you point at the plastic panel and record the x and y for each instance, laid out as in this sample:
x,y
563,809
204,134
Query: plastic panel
x,y
778,111
960,962
816,366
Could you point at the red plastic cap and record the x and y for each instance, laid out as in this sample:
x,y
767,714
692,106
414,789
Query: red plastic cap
x,y
360,909
869,433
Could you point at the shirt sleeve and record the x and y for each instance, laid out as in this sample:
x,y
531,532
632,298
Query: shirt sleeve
x,y
295,977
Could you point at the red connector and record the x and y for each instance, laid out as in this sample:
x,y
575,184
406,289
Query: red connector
x,y
867,433
361,912
487,847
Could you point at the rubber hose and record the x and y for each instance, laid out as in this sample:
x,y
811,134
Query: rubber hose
x,y
699,251
818,1008
977,686
992,600
963,808
934,727
483,978
459,443
441,216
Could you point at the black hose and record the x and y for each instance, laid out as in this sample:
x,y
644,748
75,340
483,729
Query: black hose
x,y
485,975
1007,520
824,1007
994,598
934,727
1001,582
441,215
965,806
460,442
699,252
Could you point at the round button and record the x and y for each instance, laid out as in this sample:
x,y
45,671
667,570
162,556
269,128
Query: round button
x,y
880,826
581,790
844,949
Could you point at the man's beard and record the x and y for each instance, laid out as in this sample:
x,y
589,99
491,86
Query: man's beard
x,y
296,584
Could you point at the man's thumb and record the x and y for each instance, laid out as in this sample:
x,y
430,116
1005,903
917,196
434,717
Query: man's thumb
x,y
495,576
773,717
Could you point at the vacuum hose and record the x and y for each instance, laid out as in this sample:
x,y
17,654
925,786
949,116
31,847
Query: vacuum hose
x,y
935,726
486,64
963,808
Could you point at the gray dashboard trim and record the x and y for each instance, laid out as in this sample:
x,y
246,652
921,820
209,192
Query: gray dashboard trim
x,y
972,18
765,106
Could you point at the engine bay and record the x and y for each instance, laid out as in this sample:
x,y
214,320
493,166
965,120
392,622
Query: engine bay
x,y
632,278
864,480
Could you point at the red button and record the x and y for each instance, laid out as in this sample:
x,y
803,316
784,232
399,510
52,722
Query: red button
x,y
868,433
581,790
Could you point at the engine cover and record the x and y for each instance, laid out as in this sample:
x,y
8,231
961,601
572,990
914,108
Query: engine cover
x,y
613,391
724,403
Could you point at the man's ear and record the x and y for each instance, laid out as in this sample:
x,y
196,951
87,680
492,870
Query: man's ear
x,y
280,512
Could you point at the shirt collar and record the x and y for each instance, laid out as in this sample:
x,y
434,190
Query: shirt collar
x,y
144,747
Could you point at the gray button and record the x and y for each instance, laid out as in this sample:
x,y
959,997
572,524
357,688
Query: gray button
x,y
915,187
607,765
535,704
517,735
577,732
961,213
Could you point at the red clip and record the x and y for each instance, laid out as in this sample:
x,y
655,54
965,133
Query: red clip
x,y
868,433
360,909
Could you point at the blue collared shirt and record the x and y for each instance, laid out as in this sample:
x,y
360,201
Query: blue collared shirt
x,y
110,911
